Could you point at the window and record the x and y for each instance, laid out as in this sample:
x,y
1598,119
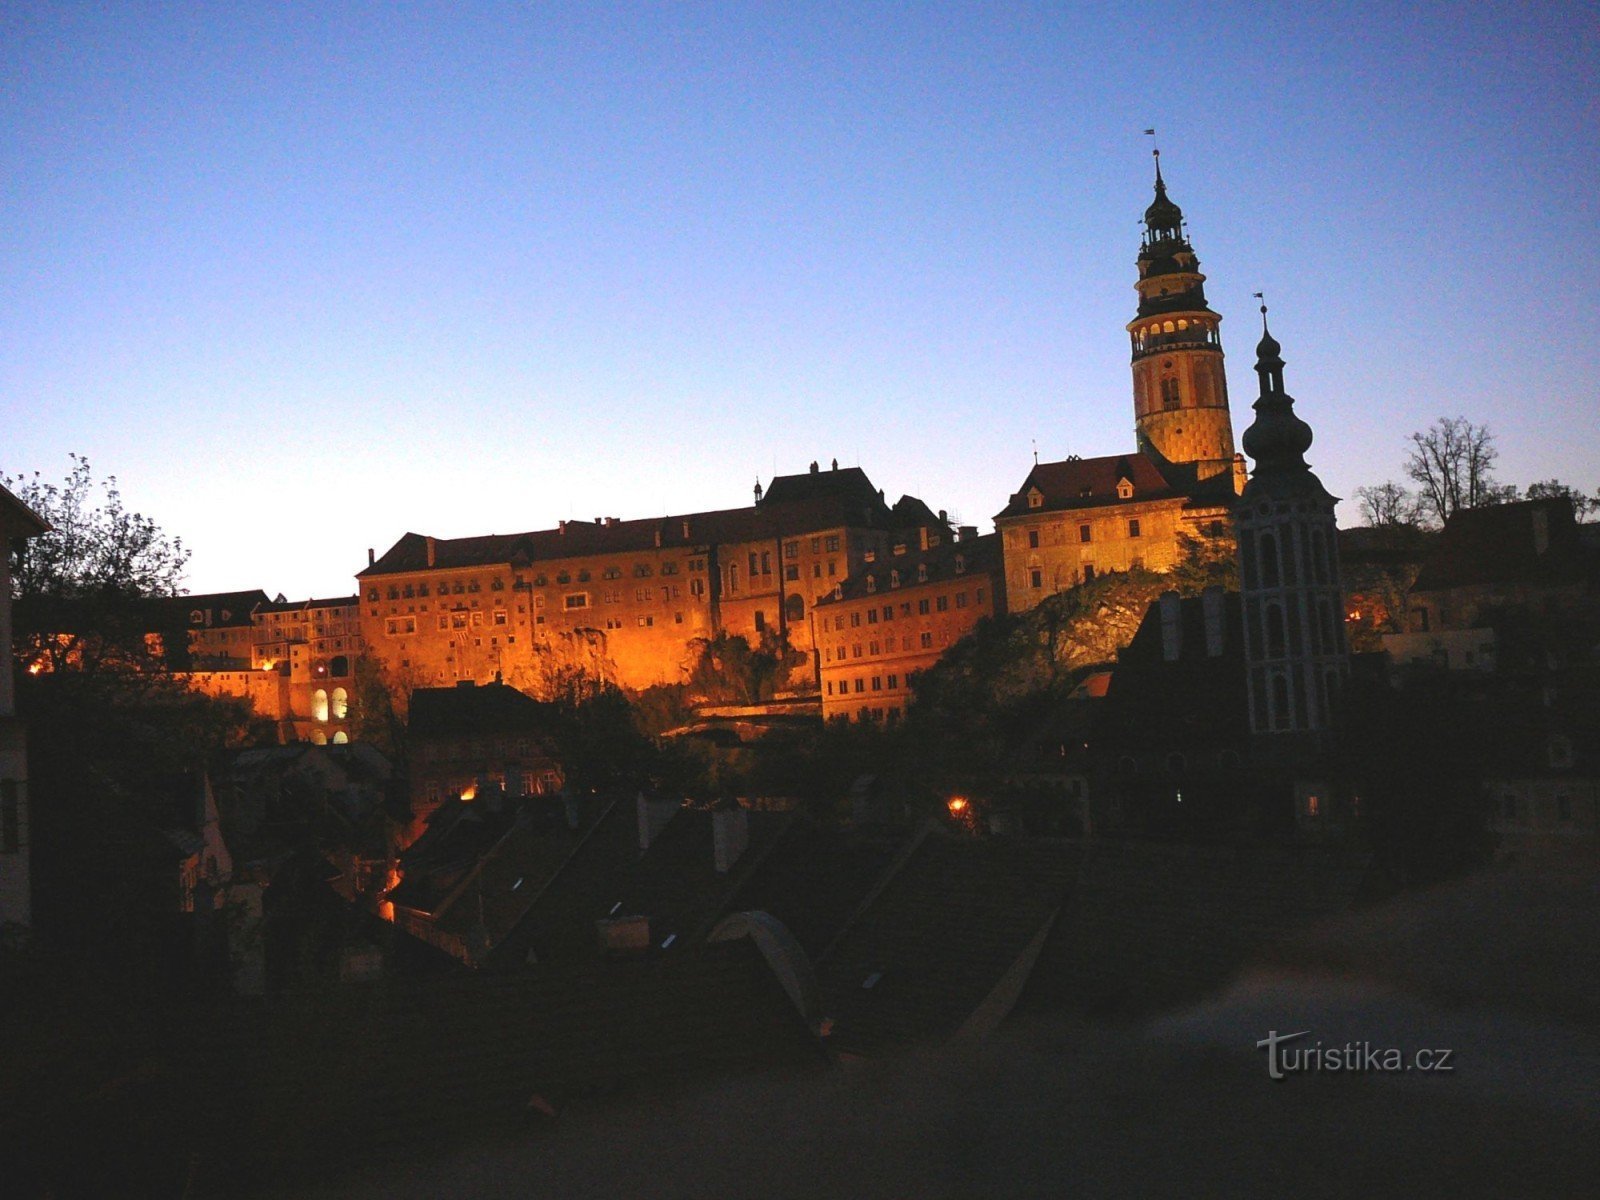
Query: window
x,y
647,622
1036,578
1088,573
1035,498
1033,539
10,817
927,641
399,625
755,563
941,604
319,705
888,612
1313,806
922,607
576,600
872,615
861,685
833,542
1085,533
341,704
791,549
766,562
894,683
501,617
1133,527
791,572
855,620
697,587
961,599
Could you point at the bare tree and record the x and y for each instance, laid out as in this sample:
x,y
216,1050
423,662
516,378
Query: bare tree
x,y
1452,462
1388,504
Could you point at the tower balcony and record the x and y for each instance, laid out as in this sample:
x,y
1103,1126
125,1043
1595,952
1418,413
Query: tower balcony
x,y
1148,340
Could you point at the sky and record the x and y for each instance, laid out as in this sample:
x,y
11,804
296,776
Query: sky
x,y
306,277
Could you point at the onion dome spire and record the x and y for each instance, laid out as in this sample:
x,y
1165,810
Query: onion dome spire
x,y
1277,439
1163,220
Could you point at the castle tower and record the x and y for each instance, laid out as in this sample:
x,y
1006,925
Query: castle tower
x,y
1180,392
1288,567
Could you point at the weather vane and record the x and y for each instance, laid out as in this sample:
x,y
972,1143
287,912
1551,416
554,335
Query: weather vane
x,y
1263,300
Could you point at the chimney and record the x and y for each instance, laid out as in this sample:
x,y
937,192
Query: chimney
x,y
1171,626
623,935
1211,601
835,464
967,532
561,527
813,466
686,529
432,551
730,837
658,537
653,818
372,557
944,517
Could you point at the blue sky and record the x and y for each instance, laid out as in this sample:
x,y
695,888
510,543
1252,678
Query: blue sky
x,y
307,277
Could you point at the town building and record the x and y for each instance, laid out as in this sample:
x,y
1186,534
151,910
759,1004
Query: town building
x,y
897,616
629,601
17,521
1080,517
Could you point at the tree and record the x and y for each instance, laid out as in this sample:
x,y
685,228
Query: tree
x,y
1582,505
79,586
1387,505
95,545
1453,463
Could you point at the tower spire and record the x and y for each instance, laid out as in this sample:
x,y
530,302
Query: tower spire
x,y
1180,390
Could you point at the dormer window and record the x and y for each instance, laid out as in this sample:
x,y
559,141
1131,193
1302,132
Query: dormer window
x,y
1035,498
894,579
961,565
1124,489
872,583
922,572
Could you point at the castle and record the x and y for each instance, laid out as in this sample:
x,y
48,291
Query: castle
x,y
861,593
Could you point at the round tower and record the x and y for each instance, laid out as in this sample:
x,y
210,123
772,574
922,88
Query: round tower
x,y
1180,391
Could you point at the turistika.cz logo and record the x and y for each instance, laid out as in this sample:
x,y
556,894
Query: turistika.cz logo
x,y
1285,1059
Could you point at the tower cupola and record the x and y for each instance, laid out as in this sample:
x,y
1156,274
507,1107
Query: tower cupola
x,y
1180,388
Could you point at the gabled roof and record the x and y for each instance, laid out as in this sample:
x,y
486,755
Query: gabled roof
x,y
1090,483
1530,542
1152,926
17,519
475,711
794,504
308,605
954,921
977,556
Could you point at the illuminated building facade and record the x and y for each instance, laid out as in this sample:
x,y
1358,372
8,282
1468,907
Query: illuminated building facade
x,y
897,616
1080,517
630,601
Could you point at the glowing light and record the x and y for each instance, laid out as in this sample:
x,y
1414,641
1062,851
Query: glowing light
x,y
469,792
957,805
36,668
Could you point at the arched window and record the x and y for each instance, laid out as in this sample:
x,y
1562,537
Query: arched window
x,y
341,704
340,738
1275,635
339,667
1281,717
318,738
794,609
319,705
1270,574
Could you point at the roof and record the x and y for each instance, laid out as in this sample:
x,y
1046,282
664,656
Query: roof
x,y
1152,926
281,605
1195,697
473,711
977,556
794,504
17,519
1529,542
1090,483
952,921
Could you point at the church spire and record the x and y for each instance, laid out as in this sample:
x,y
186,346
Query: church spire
x,y
1277,439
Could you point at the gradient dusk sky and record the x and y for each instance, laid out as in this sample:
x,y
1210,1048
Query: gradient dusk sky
x,y
305,277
